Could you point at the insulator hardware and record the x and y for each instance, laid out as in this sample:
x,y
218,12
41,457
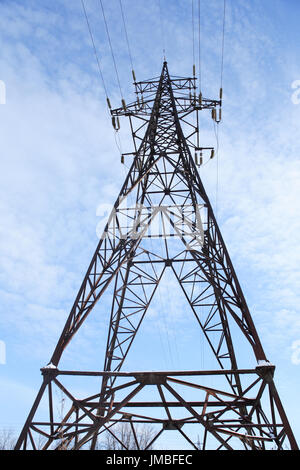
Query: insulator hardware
x,y
213,114
115,123
220,114
122,159
108,103
124,104
200,98
221,93
212,154
194,70
133,76
198,160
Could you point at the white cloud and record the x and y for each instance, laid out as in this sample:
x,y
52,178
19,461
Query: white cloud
x,y
295,357
60,160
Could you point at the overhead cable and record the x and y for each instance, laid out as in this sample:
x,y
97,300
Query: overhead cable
x,y
111,50
199,43
94,48
223,42
162,30
127,41
193,37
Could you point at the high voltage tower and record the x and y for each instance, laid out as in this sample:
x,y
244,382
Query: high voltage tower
x,y
243,410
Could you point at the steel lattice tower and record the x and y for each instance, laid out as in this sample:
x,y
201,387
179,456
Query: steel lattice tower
x,y
245,411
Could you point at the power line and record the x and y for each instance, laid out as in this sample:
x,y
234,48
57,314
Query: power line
x,y
111,49
94,48
223,41
162,30
216,129
193,34
127,40
117,137
199,42
221,92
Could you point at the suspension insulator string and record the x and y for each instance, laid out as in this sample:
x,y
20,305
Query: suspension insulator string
x,y
115,123
199,160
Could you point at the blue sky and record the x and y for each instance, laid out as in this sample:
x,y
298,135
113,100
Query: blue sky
x,y
60,161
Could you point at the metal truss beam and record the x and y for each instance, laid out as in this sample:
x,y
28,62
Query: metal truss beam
x,y
171,204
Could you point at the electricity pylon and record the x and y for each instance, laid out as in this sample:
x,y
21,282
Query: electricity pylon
x,y
244,411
